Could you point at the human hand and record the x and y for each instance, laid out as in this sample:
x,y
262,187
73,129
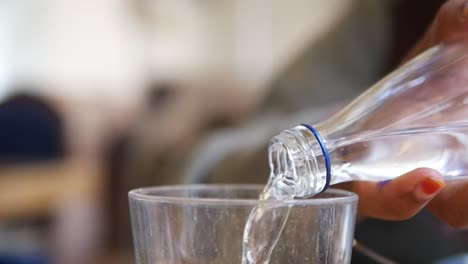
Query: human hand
x,y
405,196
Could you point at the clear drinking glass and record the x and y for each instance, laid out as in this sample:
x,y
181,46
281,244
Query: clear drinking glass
x,y
205,224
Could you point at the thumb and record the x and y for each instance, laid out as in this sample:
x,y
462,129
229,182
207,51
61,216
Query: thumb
x,y
400,198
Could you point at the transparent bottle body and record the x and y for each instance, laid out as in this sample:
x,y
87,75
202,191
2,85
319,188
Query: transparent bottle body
x,y
415,117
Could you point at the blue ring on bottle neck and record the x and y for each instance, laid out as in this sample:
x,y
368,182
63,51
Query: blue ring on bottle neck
x,y
326,155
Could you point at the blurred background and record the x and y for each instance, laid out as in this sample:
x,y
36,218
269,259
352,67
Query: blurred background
x,y
98,97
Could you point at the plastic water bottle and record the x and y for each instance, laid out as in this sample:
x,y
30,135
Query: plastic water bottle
x,y
415,117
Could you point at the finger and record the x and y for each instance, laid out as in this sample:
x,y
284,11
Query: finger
x,y
400,198
450,204
450,23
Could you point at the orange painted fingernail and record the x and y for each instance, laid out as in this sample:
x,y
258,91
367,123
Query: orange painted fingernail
x,y
430,185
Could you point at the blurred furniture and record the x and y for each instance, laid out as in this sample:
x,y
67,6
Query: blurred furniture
x,y
38,190
66,195
31,130
51,198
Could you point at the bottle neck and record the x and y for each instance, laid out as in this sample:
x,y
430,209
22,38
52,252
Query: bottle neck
x,y
299,162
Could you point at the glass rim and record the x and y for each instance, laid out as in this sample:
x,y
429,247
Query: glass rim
x,y
142,194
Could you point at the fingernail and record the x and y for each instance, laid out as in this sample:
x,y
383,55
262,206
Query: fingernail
x,y
428,187
431,185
